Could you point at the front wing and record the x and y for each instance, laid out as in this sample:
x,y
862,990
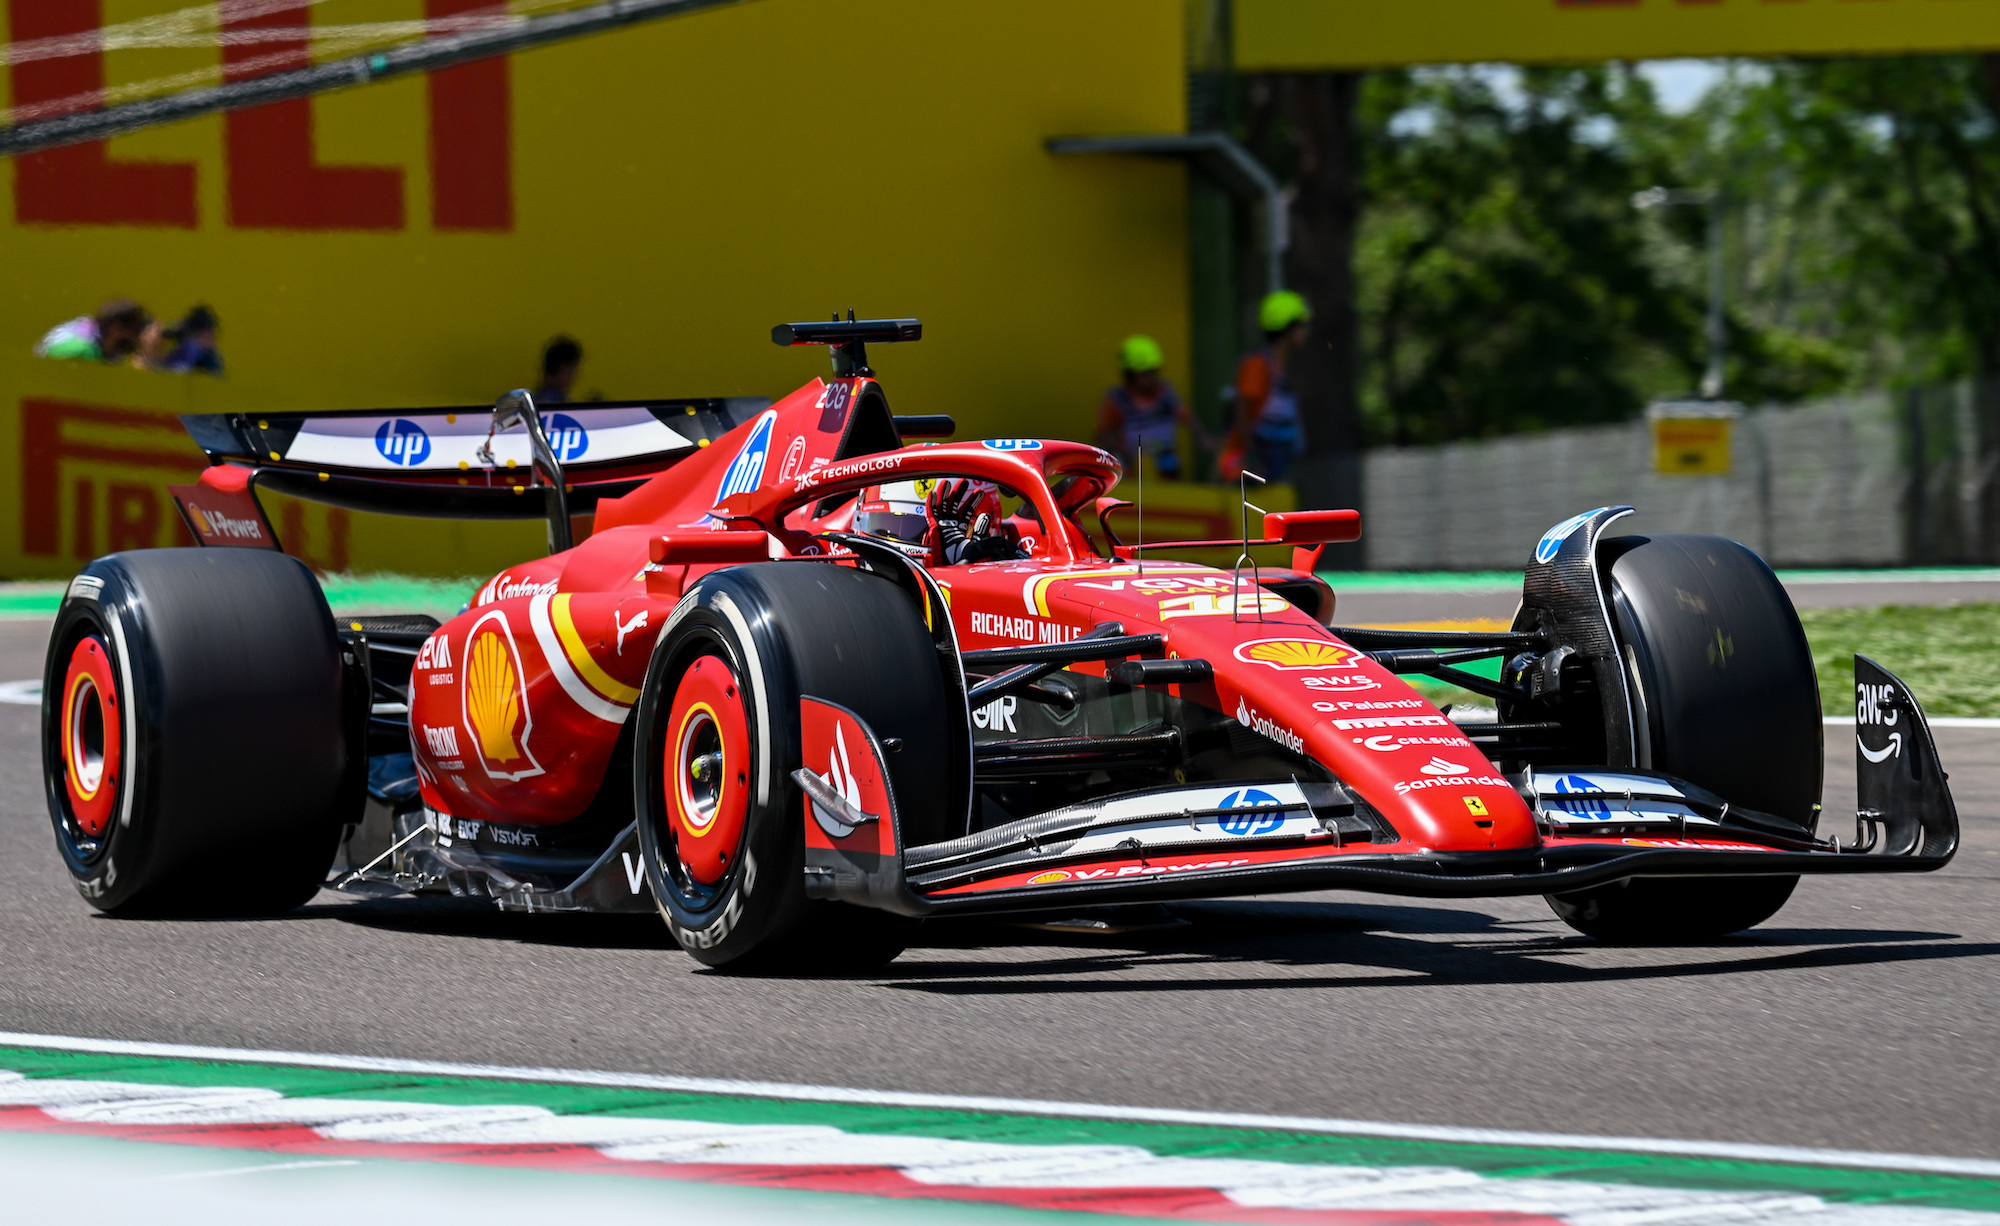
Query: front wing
x,y
1597,825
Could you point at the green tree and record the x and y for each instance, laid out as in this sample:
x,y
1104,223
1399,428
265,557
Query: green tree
x,y
1506,281
1871,193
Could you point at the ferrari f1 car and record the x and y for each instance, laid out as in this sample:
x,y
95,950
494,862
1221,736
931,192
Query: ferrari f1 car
x,y
805,683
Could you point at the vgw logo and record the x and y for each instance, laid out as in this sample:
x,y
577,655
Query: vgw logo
x,y
402,442
567,437
1248,819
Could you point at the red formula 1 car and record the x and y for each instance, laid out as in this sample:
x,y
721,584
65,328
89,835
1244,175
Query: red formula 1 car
x,y
804,684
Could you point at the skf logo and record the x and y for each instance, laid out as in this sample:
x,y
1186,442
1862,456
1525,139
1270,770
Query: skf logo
x,y
495,700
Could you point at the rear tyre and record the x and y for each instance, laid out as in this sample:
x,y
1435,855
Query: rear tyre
x,y
1728,699
195,737
717,738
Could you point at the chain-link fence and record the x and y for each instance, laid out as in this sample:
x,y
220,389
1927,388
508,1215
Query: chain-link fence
x,y
1878,479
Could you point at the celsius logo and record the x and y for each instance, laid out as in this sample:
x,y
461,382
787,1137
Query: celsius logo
x,y
1552,540
746,471
1438,766
402,442
1258,812
1012,444
567,437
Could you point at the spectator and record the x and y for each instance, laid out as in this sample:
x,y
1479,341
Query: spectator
x,y
1145,407
191,347
1267,431
560,360
111,335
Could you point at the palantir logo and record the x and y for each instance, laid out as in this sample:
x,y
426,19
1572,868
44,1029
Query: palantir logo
x,y
1258,812
402,442
567,437
746,471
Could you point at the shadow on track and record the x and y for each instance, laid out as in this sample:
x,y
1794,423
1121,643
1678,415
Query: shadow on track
x,y
481,920
1372,946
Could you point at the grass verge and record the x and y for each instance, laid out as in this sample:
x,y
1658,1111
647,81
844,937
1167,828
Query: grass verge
x,y
1949,655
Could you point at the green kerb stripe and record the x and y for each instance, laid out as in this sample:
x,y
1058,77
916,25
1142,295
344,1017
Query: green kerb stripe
x,y
1166,1140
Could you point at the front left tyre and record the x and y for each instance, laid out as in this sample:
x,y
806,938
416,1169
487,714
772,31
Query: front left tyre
x,y
197,746
718,736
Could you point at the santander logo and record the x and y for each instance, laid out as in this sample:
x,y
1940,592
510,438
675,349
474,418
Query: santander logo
x,y
1438,766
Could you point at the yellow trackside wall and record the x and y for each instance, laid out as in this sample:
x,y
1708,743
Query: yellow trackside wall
x,y
1309,35
676,189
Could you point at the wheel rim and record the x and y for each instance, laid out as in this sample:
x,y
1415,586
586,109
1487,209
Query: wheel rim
x,y
91,738
706,774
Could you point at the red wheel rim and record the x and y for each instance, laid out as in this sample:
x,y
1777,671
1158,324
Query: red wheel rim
x,y
91,736
707,775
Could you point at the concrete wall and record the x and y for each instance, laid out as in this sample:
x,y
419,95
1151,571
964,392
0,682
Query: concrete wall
x,y
1824,484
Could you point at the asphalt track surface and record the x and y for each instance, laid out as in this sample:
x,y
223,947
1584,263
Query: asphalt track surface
x,y
1865,1016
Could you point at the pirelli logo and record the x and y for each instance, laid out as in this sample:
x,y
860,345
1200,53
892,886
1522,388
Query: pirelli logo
x,y
1394,721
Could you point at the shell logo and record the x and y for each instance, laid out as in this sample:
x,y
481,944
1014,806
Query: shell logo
x,y
1051,877
1295,655
495,701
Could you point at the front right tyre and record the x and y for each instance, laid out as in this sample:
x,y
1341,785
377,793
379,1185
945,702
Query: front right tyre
x,y
1726,698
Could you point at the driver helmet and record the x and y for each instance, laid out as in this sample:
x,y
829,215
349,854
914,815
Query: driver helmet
x,y
895,512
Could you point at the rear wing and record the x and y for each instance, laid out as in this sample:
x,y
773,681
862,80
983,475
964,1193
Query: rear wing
x,y
451,463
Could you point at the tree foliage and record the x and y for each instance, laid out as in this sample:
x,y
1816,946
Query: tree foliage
x,y
1505,282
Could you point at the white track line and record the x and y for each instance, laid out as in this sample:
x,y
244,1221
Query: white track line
x,y
1856,1159
1938,721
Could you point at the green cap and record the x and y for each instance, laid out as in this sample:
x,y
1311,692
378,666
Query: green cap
x,y
1281,310
1140,354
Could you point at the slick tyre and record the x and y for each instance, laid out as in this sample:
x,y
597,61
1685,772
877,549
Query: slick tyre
x,y
1727,698
196,743
717,738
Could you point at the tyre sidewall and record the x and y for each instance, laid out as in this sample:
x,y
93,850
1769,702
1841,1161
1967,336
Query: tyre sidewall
x,y
752,899
110,870
230,685
788,630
